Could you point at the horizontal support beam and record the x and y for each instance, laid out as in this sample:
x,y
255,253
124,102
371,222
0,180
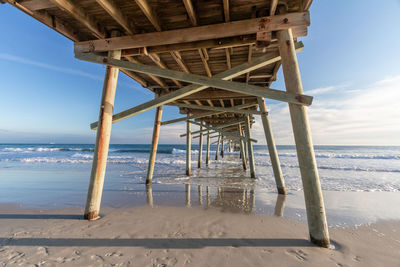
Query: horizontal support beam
x,y
225,133
222,109
220,127
235,28
191,89
205,114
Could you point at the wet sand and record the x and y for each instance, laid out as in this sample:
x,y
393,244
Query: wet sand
x,y
180,236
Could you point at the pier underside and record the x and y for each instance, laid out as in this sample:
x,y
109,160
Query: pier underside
x,y
213,60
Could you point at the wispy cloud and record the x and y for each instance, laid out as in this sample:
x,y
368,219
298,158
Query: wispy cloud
x,y
369,115
35,63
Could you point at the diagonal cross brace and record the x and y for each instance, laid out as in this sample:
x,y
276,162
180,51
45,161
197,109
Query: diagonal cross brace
x,y
191,89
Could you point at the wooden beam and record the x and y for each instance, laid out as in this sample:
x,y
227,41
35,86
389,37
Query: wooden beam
x,y
190,10
279,95
154,144
235,28
136,77
79,14
188,147
154,78
178,58
307,4
273,153
205,114
250,148
48,20
188,90
116,13
228,58
226,10
222,109
231,134
220,127
156,59
149,13
200,148
204,58
315,208
103,134
35,5
208,148
272,7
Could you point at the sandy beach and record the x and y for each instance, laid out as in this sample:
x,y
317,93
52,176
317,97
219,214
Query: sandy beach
x,y
178,236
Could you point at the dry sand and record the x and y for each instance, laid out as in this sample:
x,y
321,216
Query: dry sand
x,y
178,236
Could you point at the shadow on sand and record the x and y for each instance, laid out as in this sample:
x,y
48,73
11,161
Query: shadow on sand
x,y
42,216
157,243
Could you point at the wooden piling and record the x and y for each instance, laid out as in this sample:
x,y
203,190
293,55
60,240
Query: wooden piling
x,y
200,148
100,155
188,147
273,153
222,146
250,148
208,148
316,217
217,150
154,144
242,149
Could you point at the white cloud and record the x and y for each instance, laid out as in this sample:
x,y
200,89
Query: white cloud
x,y
366,116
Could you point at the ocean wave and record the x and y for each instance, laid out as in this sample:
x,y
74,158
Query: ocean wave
x,y
338,156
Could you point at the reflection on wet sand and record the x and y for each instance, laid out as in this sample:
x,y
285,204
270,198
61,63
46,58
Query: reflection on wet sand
x,y
235,200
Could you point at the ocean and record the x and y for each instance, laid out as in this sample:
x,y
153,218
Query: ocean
x,y
361,184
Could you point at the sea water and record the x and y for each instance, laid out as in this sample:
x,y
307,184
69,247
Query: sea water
x,y
361,184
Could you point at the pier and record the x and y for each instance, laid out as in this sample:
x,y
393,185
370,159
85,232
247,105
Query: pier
x,y
214,61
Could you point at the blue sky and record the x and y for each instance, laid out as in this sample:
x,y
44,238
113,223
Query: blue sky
x,y
350,64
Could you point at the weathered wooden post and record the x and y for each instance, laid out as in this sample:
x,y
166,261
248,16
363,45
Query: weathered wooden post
x,y
208,148
242,149
154,144
222,146
200,148
102,139
217,151
188,147
200,190
273,153
250,148
316,217
149,195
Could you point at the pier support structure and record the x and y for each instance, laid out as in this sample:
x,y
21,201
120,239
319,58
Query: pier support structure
x,y
222,146
316,217
154,144
217,150
208,148
200,147
273,153
250,148
188,147
102,140
242,149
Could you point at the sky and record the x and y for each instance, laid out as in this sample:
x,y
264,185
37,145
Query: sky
x,y
350,64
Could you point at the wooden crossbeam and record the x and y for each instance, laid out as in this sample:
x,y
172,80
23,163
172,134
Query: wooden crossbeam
x,y
115,12
272,7
188,90
222,109
79,14
154,78
222,126
279,95
149,12
225,133
205,114
235,28
191,13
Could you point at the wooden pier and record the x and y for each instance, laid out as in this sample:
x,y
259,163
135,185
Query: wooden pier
x,y
213,60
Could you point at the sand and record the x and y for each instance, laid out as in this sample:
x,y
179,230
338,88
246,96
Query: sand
x,y
179,236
